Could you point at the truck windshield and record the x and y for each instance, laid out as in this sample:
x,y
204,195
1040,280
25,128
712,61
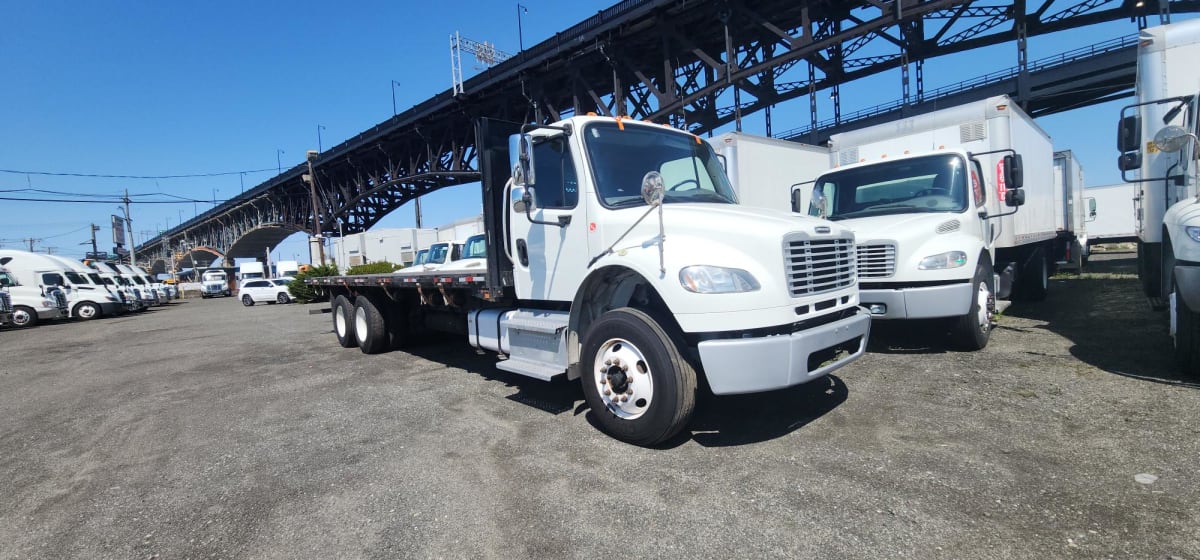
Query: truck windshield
x,y
138,281
96,279
476,247
621,158
76,278
6,280
422,256
437,253
936,183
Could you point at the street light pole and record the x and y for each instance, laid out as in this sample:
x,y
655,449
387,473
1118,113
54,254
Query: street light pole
x,y
278,164
242,180
320,127
520,35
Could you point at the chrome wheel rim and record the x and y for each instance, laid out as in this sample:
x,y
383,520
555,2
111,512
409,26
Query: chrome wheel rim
x,y
622,378
87,312
983,315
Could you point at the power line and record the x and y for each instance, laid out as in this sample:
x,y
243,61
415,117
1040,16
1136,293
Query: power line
x,y
104,176
109,201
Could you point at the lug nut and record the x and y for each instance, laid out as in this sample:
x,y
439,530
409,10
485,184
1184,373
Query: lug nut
x,y
629,392
604,380
607,392
608,362
624,399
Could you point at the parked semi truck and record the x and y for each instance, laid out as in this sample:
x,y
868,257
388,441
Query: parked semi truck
x,y
933,202
1113,220
31,300
616,255
251,270
1158,144
84,301
287,269
214,282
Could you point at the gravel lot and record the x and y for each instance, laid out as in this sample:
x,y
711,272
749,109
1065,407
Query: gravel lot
x,y
209,430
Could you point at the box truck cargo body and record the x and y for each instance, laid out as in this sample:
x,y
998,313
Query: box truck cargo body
x,y
941,225
763,170
1072,212
1114,221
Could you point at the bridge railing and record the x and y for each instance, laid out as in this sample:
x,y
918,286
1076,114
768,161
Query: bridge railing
x,y
1050,62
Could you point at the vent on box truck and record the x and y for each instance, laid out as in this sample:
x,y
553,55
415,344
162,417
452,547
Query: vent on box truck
x,y
972,131
847,157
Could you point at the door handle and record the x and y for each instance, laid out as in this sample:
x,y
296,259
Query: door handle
x,y
522,252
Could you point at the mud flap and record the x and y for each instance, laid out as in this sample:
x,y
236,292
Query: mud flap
x,y
1004,280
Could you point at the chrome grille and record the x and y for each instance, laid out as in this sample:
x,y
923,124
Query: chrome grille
x,y
5,303
876,260
816,266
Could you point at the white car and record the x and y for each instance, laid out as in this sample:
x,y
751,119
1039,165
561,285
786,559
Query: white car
x,y
255,290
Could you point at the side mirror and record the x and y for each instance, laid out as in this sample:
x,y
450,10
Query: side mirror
x,y
1171,139
1129,134
524,200
797,200
653,188
1129,161
818,206
1014,198
521,158
1014,172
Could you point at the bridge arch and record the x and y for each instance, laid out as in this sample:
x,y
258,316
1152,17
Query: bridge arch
x,y
253,243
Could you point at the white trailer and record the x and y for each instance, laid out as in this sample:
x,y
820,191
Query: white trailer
x,y
933,201
763,170
1114,220
617,255
1158,144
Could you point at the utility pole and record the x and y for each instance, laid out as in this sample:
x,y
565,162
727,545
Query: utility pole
x,y
129,228
316,209
31,241
95,228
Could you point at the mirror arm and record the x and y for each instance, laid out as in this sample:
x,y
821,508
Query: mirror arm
x,y
985,216
561,222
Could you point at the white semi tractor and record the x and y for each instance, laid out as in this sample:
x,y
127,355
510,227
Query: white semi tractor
x,y
214,282
1158,144
616,255
943,226
84,301
32,300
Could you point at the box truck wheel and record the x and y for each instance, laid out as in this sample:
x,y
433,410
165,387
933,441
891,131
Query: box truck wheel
x,y
24,316
343,322
971,331
639,387
369,326
86,310
1187,336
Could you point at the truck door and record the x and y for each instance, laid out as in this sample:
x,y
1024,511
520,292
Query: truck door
x,y
550,258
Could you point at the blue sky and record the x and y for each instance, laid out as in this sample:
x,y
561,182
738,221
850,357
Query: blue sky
x,y
167,88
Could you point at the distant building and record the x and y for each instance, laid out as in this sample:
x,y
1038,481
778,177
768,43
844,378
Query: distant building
x,y
398,245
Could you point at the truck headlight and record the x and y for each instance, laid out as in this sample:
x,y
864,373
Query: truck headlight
x,y
703,279
1193,232
940,261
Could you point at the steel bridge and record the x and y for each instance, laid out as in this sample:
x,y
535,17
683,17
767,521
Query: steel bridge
x,y
694,64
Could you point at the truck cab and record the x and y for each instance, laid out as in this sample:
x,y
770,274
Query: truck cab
x,y
214,283
473,257
88,299
1158,144
30,300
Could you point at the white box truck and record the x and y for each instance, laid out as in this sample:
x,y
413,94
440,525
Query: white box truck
x,y
1158,145
287,269
251,270
1072,212
942,225
763,170
1114,219
616,255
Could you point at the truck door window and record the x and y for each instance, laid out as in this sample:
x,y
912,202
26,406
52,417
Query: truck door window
x,y
76,278
51,279
977,187
6,281
557,185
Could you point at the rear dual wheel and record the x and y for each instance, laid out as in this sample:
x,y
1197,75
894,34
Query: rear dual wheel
x,y
343,322
370,328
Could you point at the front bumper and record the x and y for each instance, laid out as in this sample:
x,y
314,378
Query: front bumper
x,y
766,363
111,308
951,300
5,317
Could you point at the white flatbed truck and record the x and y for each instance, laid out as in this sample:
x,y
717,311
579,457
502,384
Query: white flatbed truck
x,y
616,256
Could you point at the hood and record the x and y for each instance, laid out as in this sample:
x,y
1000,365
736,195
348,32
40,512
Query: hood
x,y
734,219
897,226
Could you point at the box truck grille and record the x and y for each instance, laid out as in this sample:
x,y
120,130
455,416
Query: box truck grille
x,y
876,260
816,266
5,304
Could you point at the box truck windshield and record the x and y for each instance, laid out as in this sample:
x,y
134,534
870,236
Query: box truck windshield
x,y
935,183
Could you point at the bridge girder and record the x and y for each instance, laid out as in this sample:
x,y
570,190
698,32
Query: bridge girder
x,y
696,64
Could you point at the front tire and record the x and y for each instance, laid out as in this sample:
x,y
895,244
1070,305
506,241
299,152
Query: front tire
x,y
343,322
1187,337
24,316
86,311
639,387
973,330
282,298
369,326
247,300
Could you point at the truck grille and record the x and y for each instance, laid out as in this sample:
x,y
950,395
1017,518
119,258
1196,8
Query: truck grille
x,y
816,266
876,260
5,303
60,299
